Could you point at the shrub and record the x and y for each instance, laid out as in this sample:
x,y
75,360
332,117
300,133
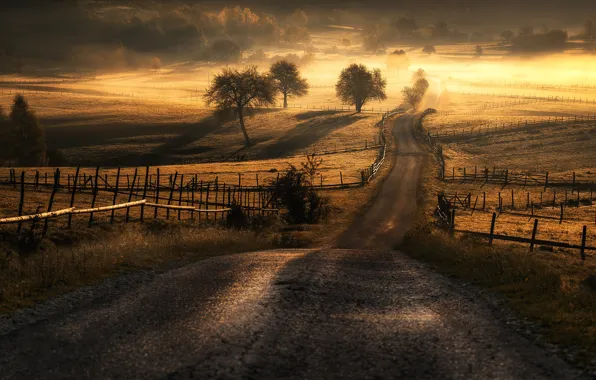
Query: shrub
x,y
292,192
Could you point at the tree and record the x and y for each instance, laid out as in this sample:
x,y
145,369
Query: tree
x,y
346,43
507,35
429,49
6,138
479,50
238,91
414,95
298,18
287,80
589,29
405,26
156,63
225,50
296,34
398,60
357,85
526,31
29,139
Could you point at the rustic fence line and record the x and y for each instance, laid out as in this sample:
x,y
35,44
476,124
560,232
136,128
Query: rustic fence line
x,y
559,87
517,96
496,105
251,203
513,126
446,213
520,178
506,202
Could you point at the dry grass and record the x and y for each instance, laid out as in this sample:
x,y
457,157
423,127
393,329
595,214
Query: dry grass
x,y
83,256
103,131
545,287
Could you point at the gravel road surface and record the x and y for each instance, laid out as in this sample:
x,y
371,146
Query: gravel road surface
x,y
362,311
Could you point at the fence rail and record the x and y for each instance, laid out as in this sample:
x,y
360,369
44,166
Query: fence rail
x,y
446,212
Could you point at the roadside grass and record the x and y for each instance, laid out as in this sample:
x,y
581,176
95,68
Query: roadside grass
x,y
546,287
33,271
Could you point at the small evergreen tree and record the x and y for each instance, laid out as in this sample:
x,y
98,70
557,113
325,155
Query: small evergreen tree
x,y
29,138
6,138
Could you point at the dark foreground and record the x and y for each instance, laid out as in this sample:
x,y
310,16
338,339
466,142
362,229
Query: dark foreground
x,y
361,313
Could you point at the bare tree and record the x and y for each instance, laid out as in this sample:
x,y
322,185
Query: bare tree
x,y
357,85
414,95
287,80
238,91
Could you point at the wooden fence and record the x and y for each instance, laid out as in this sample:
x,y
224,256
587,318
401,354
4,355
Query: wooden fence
x,y
518,177
447,135
446,212
506,202
567,99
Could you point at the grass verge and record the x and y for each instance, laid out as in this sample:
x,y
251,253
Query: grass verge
x,y
549,288
69,259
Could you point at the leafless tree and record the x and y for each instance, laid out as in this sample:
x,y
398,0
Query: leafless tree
x,y
239,90
287,80
357,85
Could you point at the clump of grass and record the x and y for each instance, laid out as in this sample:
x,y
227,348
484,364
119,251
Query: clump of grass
x,y
66,260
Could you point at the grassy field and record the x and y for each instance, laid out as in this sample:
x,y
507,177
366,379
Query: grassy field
x,y
546,287
530,149
99,131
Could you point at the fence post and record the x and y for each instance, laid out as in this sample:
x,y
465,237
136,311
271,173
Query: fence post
x,y
22,200
582,252
94,195
171,195
533,235
50,204
492,229
132,189
180,195
156,195
561,217
116,188
546,181
145,192
72,196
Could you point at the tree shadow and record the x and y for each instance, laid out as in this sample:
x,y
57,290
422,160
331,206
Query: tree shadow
x,y
306,134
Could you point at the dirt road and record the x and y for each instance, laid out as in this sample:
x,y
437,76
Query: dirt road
x,y
383,226
285,314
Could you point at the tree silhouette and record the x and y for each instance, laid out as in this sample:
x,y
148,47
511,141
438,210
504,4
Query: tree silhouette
x,y
414,95
235,90
507,35
478,49
6,138
398,60
287,80
346,43
357,85
429,49
29,139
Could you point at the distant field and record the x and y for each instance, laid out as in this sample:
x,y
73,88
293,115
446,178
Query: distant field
x,y
555,148
99,131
